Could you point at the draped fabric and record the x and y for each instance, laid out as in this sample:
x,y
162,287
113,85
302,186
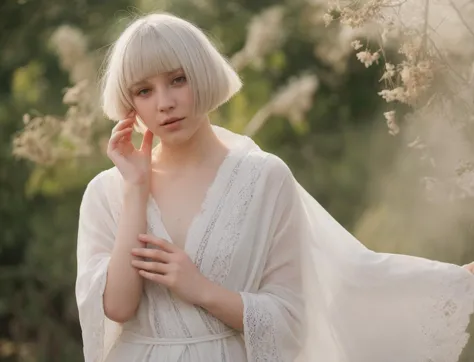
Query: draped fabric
x,y
311,291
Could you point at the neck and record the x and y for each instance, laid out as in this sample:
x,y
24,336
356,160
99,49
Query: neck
x,y
204,144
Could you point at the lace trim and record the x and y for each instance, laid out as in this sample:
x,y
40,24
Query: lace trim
x,y
153,294
182,324
199,257
222,262
447,320
210,227
214,325
158,296
200,252
207,318
226,246
166,316
223,354
259,330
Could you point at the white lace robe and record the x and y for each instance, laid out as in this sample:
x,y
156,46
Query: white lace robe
x,y
311,291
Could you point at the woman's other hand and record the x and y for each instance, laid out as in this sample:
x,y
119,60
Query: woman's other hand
x,y
170,266
134,164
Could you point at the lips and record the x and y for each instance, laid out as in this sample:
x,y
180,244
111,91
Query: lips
x,y
171,120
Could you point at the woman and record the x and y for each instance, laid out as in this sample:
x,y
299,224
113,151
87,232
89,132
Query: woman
x,y
205,248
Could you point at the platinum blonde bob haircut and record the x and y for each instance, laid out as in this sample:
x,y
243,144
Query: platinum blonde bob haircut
x,y
159,43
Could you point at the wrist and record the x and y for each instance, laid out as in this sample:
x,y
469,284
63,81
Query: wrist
x,y
136,187
134,191
207,294
139,181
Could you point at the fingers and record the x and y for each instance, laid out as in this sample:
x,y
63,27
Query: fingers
x,y
154,254
147,141
127,122
157,278
162,244
152,267
117,136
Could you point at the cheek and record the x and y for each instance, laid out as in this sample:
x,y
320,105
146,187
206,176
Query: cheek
x,y
190,94
187,96
142,103
144,117
144,107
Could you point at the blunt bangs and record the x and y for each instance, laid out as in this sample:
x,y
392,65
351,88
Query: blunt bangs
x,y
148,54
160,43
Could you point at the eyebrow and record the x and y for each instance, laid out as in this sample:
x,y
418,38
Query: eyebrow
x,y
145,82
173,72
139,84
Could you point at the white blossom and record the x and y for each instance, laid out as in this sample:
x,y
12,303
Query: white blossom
x,y
391,123
368,58
356,44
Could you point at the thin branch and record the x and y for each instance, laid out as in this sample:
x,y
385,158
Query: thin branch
x,y
455,72
461,18
440,54
446,62
399,4
424,43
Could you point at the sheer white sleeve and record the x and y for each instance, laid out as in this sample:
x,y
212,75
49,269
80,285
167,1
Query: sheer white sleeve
x,y
371,307
272,315
94,246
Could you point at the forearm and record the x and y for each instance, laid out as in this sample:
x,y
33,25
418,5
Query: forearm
x,y
124,285
224,304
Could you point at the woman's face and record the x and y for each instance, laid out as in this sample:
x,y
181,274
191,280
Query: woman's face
x,y
165,103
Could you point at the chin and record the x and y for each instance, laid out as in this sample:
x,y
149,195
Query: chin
x,y
177,138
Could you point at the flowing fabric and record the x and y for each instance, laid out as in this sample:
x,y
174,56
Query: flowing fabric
x,y
311,291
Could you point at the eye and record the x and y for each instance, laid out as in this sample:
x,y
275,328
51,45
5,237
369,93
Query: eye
x,y
143,92
179,80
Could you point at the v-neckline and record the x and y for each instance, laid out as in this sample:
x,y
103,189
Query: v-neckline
x,y
218,178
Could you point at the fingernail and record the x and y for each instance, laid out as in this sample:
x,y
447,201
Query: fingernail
x,y
142,235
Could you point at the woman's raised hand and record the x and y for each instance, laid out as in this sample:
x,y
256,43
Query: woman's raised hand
x,y
134,164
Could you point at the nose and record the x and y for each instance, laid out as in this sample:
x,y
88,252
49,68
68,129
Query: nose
x,y
165,101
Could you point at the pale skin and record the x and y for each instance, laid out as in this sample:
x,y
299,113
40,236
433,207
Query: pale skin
x,y
186,153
